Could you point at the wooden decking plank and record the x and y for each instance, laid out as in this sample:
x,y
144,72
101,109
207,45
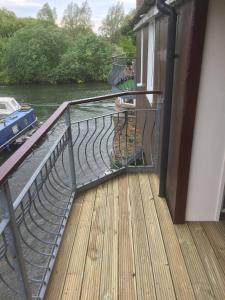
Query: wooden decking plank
x,y
163,281
143,264
211,264
92,272
73,282
181,281
126,280
223,224
197,273
216,234
116,247
58,276
115,258
109,276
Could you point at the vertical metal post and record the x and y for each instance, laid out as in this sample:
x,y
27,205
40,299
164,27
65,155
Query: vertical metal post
x,y
13,242
157,137
126,124
70,149
169,11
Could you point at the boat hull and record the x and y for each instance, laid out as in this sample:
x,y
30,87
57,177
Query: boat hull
x,y
14,125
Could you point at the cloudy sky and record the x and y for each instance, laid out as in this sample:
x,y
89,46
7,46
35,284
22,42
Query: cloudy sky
x,y
24,8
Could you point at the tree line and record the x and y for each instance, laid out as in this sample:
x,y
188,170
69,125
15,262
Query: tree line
x,y
41,50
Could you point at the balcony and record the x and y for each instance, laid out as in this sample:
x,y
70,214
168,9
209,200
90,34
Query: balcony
x,y
89,224
120,243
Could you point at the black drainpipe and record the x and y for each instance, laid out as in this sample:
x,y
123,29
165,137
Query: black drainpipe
x,y
168,92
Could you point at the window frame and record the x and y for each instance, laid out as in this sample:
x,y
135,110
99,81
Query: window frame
x,y
151,58
140,84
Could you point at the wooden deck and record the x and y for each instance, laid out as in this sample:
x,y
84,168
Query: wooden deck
x,y
120,243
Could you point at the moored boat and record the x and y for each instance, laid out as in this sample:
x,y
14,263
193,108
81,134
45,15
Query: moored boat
x,y
15,121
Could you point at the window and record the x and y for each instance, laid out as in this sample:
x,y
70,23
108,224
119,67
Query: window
x,y
15,129
14,103
2,106
141,59
151,59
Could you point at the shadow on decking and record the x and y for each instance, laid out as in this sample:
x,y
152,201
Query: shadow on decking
x,y
120,243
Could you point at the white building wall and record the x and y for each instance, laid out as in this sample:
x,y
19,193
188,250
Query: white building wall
x,y
207,172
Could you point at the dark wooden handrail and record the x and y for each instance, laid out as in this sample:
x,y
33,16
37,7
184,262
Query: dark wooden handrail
x,y
19,156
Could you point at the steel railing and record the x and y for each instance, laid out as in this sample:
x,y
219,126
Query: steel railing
x,y
85,154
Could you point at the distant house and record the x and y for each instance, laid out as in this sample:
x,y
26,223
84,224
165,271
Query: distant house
x,y
195,170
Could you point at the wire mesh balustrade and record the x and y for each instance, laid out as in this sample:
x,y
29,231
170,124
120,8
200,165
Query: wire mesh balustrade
x,y
85,153
107,144
41,211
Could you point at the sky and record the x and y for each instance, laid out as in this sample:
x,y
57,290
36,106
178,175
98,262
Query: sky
x,y
26,8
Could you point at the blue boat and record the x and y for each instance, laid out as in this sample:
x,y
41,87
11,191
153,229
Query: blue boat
x,y
15,120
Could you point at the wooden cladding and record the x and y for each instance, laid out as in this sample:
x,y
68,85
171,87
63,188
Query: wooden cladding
x,y
192,18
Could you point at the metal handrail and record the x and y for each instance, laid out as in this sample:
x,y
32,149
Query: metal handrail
x,y
19,156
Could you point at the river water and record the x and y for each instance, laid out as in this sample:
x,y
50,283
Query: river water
x,y
53,95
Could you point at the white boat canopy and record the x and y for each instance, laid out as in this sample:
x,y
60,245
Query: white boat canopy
x,y
8,105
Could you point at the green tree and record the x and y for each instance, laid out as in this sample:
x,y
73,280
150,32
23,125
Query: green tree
x,y
128,46
30,22
126,29
8,23
77,19
112,23
33,53
88,59
48,14
3,43
127,36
